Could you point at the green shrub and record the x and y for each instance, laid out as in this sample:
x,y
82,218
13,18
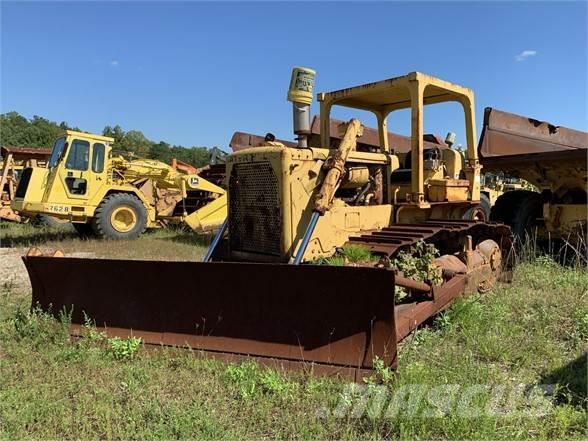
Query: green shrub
x,y
243,376
349,254
39,327
417,264
124,349
382,373
251,380
274,383
357,254
581,319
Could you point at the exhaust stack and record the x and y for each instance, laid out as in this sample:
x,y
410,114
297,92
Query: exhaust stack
x,y
300,94
450,139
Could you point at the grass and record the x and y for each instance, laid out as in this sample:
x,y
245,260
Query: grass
x,y
168,244
349,255
533,331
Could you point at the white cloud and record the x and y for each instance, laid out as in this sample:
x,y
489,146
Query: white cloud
x,y
113,63
525,54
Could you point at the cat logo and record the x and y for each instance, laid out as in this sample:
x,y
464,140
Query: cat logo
x,y
194,181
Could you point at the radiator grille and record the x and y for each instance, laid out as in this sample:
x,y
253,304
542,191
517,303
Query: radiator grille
x,y
23,183
255,220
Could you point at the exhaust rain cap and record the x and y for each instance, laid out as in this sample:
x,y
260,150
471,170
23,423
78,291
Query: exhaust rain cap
x,y
301,85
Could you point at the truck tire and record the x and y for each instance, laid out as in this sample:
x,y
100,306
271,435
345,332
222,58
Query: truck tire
x,y
120,216
528,216
504,209
518,209
53,222
479,212
485,204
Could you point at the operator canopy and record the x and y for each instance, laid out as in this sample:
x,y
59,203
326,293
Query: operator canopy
x,y
394,93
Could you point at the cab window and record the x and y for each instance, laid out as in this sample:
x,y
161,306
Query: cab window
x,y
58,149
78,156
98,158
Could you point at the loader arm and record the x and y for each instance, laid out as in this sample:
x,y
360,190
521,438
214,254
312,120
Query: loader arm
x,y
138,169
210,217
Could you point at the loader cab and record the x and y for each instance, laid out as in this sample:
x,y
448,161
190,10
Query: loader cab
x,y
426,175
77,164
76,170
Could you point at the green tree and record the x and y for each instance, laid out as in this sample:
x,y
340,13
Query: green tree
x,y
161,151
197,156
17,130
114,132
134,141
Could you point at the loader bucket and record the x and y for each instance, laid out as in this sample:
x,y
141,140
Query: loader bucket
x,y
324,318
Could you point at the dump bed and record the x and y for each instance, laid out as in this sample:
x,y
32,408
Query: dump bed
x,y
544,154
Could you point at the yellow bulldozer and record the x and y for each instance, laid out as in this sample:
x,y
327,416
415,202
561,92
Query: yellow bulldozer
x,y
105,194
262,291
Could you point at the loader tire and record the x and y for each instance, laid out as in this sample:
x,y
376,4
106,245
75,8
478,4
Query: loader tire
x,y
53,222
120,216
479,212
520,210
85,231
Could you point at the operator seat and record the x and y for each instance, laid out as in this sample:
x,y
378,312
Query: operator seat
x,y
403,175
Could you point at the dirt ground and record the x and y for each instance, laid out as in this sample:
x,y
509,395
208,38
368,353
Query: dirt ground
x,y
13,271
17,239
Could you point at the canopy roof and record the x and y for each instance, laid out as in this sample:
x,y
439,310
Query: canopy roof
x,y
394,93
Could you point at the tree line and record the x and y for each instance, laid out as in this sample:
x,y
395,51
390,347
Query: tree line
x,y
18,131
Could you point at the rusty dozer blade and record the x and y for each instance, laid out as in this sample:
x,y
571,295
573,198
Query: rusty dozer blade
x,y
294,316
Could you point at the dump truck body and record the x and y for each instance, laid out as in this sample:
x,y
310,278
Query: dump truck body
x,y
551,158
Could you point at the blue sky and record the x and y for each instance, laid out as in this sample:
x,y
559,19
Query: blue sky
x,y
192,73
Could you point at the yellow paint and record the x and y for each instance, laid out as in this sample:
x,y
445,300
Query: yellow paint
x,y
441,190
301,85
208,217
123,219
562,220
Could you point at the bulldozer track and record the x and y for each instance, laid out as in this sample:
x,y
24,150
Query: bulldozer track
x,y
446,235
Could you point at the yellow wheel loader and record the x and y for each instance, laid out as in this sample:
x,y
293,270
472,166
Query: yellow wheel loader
x,y
107,195
261,290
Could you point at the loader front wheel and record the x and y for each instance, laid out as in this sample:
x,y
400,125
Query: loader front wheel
x,y
120,216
